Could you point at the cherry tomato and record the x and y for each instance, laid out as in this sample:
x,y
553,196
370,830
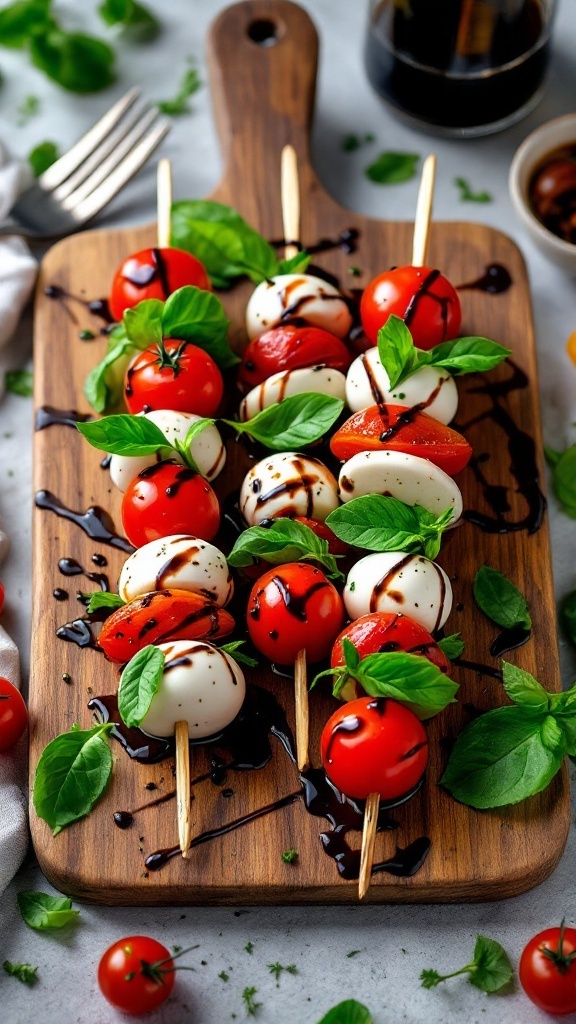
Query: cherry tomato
x,y
168,498
374,745
290,348
1,597
422,297
335,545
393,427
136,974
159,616
385,631
154,274
547,970
292,607
13,715
179,376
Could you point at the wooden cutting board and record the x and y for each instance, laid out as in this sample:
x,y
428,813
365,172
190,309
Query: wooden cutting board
x,y
263,97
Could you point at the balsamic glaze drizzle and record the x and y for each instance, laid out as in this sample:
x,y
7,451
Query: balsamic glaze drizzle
x,y
95,521
48,416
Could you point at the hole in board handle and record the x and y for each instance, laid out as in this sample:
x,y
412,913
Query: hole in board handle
x,y
263,32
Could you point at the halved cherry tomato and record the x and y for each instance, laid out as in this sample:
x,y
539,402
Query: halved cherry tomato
x,y
385,631
292,607
13,715
394,427
154,274
176,376
159,616
547,970
136,974
289,348
374,745
421,296
166,499
335,545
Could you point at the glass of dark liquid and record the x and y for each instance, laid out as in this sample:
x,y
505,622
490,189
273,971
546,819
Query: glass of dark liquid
x,y
459,67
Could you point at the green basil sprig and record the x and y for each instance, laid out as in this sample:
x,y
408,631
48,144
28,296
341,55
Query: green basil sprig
x,y
283,541
400,357
411,679
135,436
452,646
467,193
25,973
348,1012
513,752
380,523
71,775
233,648
190,315
490,968
41,911
500,599
563,466
139,683
293,423
227,246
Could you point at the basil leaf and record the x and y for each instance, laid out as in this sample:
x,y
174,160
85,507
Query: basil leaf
x,y
283,541
298,264
72,773
143,323
39,910
139,683
104,386
25,973
492,968
392,168
500,758
19,382
568,616
136,21
465,355
523,688
42,157
20,19
293,423
467,195
233,649
219,237
102,599
351,655
500,600
189,84
564,478
452,646
348,1012
77,62
408,678
396,349
195,429
124,434
379,522
197,316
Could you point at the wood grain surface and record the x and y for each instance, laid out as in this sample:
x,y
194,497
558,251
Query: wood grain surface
x,y
263,99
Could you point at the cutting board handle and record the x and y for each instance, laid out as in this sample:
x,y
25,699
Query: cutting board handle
x,y
263,56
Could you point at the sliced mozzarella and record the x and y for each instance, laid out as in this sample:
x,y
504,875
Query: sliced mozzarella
x,y
207,448
367,382
320,379
181,562
393,581
200,685
288,296
413,480
288,484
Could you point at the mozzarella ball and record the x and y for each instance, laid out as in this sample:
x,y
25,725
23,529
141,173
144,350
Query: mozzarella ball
x,y
367,382
320,379
207,448
200,685
288,296
392,581
179,562
288,484
409,478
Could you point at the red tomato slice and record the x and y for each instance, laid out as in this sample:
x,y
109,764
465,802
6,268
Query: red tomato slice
x,y
159,616
290,348
394,427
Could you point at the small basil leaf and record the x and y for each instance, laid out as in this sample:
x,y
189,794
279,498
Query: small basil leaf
x,y
136,21
283,541
77,62
19,382
189,84
396,350
452,646
382,523
143,323
139,683
39,910
500,600
467,194
492,967
500,759
293,423
233,649
392,168
298,264
351,656
72,773
568,616
408,678
19,20
564,478
104,386
42,156
25,973
552,457
197,316
466,355
348,1012
102,599
124,434
197,428
523,688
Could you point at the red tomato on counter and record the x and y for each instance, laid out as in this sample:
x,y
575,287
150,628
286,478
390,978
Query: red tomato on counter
x,y
136,974
421,296
154,274
547,970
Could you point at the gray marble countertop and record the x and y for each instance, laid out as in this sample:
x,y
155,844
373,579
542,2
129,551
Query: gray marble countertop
x,y
395,943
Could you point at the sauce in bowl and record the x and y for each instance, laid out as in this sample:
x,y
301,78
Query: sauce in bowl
x,y
552,192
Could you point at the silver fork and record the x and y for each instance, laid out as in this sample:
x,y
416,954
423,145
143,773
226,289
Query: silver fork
x,y
78,185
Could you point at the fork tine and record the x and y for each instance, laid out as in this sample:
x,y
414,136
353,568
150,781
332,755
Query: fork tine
x,y
70,161
126,170
101,168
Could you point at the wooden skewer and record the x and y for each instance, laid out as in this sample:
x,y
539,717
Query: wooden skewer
x,y
164,202
368,842
183,796
424,212
290,197
302,712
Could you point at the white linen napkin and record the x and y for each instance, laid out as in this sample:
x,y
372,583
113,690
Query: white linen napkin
x,y
18,271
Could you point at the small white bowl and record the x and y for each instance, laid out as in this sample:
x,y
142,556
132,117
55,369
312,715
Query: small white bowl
x,y
535,147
